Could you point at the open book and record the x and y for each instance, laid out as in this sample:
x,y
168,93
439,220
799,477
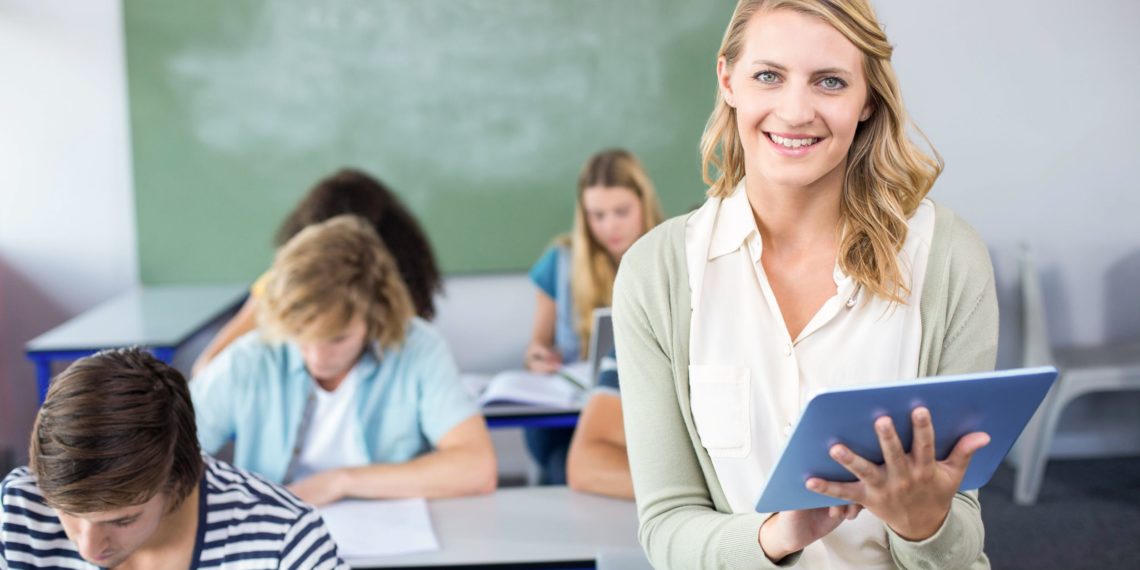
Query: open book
x,y
562,389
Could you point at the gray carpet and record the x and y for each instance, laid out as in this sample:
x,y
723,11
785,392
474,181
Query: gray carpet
x,y
1087,516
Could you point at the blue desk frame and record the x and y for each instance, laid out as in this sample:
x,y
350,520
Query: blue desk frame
x,y
537,420
43,360
160,318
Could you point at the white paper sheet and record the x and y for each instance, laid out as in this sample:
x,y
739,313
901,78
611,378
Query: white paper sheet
x,y
368,529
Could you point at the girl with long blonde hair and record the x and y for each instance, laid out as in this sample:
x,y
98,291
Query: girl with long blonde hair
x,y
616,205
816,262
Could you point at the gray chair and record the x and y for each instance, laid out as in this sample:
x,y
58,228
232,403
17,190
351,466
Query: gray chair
x,y
1084,370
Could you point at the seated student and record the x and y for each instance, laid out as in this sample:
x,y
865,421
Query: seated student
x,y
348,191
344,392
117,481
616,205
597,462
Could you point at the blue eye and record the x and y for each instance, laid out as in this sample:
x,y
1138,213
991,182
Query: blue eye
x,y
766,77
833,83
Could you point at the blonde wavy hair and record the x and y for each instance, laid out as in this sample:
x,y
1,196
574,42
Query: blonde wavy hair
x,y
330,273
887,174
593,269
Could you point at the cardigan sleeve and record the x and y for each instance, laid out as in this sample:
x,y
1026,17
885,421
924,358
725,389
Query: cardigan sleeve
x,y
679,525
969,334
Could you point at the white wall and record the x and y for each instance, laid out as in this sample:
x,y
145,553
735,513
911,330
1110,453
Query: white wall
x,y
67,227
1033,106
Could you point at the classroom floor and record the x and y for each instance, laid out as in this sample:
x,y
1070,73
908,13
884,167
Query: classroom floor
x,y
1087,516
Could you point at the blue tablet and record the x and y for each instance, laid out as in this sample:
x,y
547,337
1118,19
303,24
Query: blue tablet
x,y
998,403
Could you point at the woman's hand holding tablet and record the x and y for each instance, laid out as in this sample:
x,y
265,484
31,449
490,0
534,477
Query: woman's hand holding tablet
x,y
910,492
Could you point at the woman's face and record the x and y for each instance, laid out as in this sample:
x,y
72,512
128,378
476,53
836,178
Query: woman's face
x,y
613,216
799,93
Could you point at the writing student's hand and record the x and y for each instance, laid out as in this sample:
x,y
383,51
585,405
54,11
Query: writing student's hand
x,y
911,493
542,359
320,489
791,531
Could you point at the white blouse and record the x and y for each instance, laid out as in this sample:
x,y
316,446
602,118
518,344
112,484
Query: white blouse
x,y
749,380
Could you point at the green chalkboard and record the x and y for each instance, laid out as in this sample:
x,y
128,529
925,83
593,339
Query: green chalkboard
x,y
478,113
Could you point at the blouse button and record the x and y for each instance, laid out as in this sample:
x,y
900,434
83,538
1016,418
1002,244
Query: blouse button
x,y
788,430
788,349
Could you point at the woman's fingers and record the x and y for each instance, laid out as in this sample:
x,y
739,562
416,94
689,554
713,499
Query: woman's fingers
x,y
893,454
970,443
853,492
863,469
922,447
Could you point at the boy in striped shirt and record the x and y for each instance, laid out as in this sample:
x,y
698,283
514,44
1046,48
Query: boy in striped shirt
x,y
117,480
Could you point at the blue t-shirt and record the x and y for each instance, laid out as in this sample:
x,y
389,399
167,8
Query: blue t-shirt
x,y
551,274
255,393
544,273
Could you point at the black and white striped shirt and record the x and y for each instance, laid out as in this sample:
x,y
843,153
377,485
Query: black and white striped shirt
x,y
244,522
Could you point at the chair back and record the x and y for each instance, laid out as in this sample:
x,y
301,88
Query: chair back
x,y
1035,347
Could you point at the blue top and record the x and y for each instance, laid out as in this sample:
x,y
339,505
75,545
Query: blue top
x,y
253,525
551,274
254,392
608,380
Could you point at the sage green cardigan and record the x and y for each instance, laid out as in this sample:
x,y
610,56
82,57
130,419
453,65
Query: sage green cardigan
x,y
685,520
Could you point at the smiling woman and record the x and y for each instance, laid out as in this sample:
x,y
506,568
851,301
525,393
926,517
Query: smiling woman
x,y
816,262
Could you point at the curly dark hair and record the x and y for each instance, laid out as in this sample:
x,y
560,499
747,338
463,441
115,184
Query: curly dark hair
x,y
352,191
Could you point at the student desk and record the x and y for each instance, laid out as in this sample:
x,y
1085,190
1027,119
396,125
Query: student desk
x,y
523,527
159,317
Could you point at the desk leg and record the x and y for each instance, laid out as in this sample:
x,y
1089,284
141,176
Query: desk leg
x,y
43,376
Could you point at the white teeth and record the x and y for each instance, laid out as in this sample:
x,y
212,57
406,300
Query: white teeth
x,y
792,143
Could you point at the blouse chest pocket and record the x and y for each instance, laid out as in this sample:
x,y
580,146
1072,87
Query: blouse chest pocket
x,y
720,398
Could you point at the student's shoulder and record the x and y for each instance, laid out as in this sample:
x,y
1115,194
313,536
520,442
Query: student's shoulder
x,y
422,336
250,352
234,493
22,499
559,245
19,482
261,523
17,475
545,269
255,345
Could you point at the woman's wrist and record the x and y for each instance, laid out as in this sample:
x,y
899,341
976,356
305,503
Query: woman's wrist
x,y
922,529
769,542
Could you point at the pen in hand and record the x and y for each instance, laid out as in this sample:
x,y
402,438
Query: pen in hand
x,y
542,359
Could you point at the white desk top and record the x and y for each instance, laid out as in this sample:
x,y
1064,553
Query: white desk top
x,y
523,525
152,315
